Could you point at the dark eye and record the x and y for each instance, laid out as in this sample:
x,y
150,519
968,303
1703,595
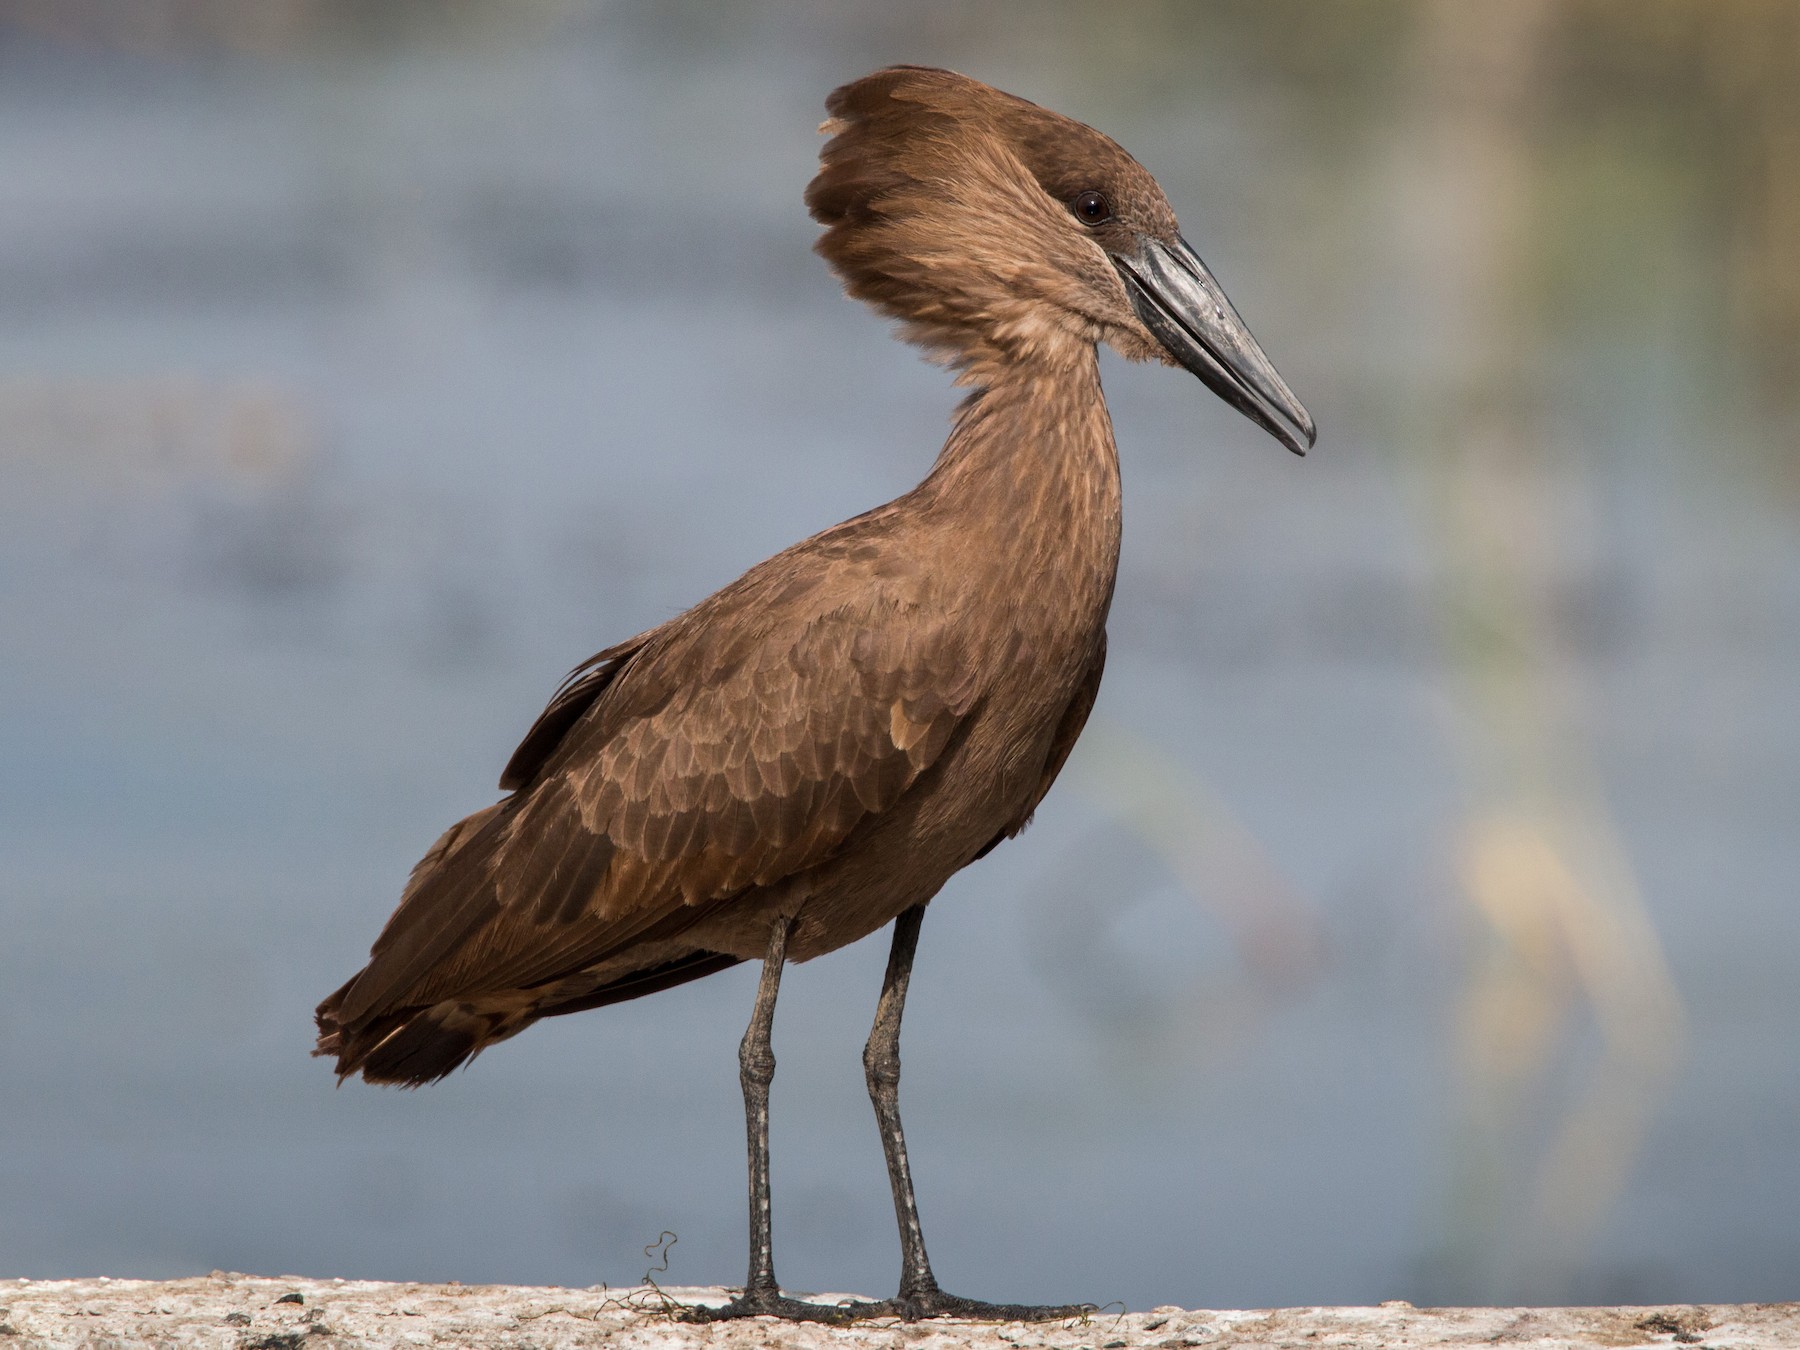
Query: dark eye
x,y
1092,208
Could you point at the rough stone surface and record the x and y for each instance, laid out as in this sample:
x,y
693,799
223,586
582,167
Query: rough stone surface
x,y
242,1312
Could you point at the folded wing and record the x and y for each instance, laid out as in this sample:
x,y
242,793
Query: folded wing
x,y
741,744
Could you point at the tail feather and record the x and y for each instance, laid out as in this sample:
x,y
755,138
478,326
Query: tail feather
x,y
415,1046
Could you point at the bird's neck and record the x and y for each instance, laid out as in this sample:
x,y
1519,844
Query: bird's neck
x,y
1034,447
1031,469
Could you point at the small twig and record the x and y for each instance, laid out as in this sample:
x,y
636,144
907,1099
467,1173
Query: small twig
x,y
664,1244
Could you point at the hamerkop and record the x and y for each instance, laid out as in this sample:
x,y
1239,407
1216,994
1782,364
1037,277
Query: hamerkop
x,y
814,750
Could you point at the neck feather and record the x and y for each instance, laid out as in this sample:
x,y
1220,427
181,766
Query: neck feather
x,y
1035,425
1031,467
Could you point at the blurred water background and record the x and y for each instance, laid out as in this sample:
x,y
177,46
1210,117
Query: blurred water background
x,y
1418,919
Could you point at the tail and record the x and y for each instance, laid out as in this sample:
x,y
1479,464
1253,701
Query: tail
x,y
391,1039
414,1046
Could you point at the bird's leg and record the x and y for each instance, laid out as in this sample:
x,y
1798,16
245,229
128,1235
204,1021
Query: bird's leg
x,y
881,1066
756,1070
919,1294
762,1297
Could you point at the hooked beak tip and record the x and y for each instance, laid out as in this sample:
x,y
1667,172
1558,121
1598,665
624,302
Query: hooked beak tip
x,y
1308,429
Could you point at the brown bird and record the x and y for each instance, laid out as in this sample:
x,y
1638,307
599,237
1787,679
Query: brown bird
x,y
814,750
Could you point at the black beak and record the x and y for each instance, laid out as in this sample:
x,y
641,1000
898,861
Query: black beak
x,y
1181,304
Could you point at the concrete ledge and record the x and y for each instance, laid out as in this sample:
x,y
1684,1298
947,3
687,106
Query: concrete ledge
x,y
242,1312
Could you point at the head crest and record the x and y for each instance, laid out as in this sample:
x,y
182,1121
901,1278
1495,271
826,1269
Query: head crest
x,y
946,204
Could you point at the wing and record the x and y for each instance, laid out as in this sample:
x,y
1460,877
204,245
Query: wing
x,y
584,685
738,745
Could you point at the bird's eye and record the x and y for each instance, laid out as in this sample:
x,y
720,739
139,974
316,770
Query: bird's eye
x,y
1092,208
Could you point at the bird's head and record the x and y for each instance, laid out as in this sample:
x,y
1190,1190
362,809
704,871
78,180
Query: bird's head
x,y
999,232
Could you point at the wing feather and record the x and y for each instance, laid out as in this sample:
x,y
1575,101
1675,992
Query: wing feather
x,y
735,746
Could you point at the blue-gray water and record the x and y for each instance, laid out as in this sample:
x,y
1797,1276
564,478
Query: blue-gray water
x,y
1419,918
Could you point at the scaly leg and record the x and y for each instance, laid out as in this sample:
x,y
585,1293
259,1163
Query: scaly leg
x,y
762,1297
919,1294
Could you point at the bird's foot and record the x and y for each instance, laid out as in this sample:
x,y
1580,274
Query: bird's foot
x,y
771,1302
934,1302
914,1307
